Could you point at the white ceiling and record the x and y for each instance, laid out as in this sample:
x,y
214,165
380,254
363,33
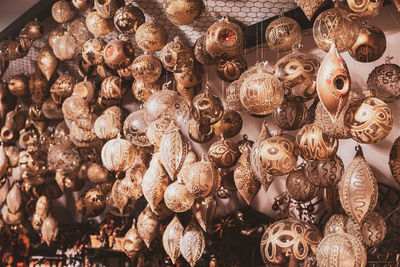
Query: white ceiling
x,y
10,10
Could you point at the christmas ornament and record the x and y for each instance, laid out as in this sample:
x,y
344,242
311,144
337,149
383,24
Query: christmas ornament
x,y
68,181
200,131
97,173
282,33
18,85
47,62
358,189
261,93
107,8
146,68
78,29
91,204
369,120
289,237
224,39
118,155
370,44
188,93
291,115
34,30
176,56
190,78
97,24
37,87
394,160
171,239
333,83
178,198
192,243
365,9
118,201
229,125
314,144
200,51
62,88
143,90
64,156
333,26
373,230
325,173
132,183
336,224
151,37
135,128
118,54
62,11
128,18
190,158
132,242
65,47
337,129
207,108
223,153
342,250
111,91
85,90
155,182
15,50
299,187
92,51
384,81
107,127
157,128
309,7
49,230
203,210
233,96
14,199
75,108
183,12
54,34
200,178
230,70
83,5
147,226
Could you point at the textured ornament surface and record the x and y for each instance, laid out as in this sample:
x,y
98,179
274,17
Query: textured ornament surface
x,y
309,7
49,230
190,158
147,226
203,210
282,33
299,187
200,178
394,159
132,242
192,243
325,173
183,12
336,224
373,230
14,199
47,62
384,82
172,237
291,115
151,36
223,153
178,198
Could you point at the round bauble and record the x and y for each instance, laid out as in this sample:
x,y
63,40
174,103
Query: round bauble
x,y
92,51
370,44
299,187
34,30
229,125
83,5
97,24
384,81
119,54
19,85
63,157
65,47
62,88
54,34
208,108
200,132
86,90
282,34
200,51
200,178
230,70
336,224
157,128
75,108
62,11
118,155
373,230
190,78
135,128
91,204
146,68
224,153
325,173
178,198
107,127
151,37
111,91
107,8
143,90
176,56
183,12
365,9
291,115
128,18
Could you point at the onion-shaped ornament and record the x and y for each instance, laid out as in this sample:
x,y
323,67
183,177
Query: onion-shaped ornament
x,y
151,37
171,239
299,187
369,120
230,70
34,31
373,230
334,26
135,128
47,62
192,243
19,85
62,11
325,173
224,153
93,51
97,24
147,226
146,68
118,201
314,144
203,210
178,198
49,230
341,250
119,54
207,107
200,51
282,34
155,182
384,81
224,39
118,155
200,178
183,12
128,18
132,242
62,88
229,125
358,189
14,199
291,115
176,56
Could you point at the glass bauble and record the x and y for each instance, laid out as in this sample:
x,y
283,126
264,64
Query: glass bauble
x,y
384,81
190,78
370,120
97,24
49,230
34,30
157,128
47,62
334,25
107,8
18,84
291,115
289,237
112,90
97,173
86,90
230,70
192,243
183,12
200,178
224,153
171,239
370,44
118,201
200,131
335,129
146,68
309,7
65,47
118,155
325,173
132,242
91,204
207,108
54,34
151,37
341,250
178,198
299,187
233,96
75,108
62,88
261,93
298,73
147,225
83,5
107,127
176,56
229,125
128,18
118,54
143,90
63,157
336,224
200,52
92,51
62,11
373,230
135,128
282,33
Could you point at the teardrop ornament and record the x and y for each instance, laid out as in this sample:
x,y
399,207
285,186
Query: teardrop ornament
x,y
14,199
147,226
132,242
204,210
49,230
192,243
47,61
333,82
171,239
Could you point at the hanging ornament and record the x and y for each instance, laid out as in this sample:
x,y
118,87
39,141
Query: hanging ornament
x,y
92,51
178,198
336,224
54,34
49,230
282,33
118,54
364,9
151,37
299,187
147,226
200,178
289,238
62,11
291,115
18,85
85,90
112,90
207,107
200,131
107,127
342,250
135,128
118,201
314,144
91,204
78,29
325,173
65,47
128,18
358,189
384,81
38,87
108,8
223,153
192,243
146,68
203,210
373,230
261,93
156,130
200,51
309,7
62,88
14,199
229,125
233,96
118,155
97,24
171,239
143,90
176,56
224,39
4,188
335,129
83,5
132,242
34,31
47,62
97,173
369,120
394,160
188,93
75,108
155,182
183,12
190,78
230,70
333,83
132,183
190,158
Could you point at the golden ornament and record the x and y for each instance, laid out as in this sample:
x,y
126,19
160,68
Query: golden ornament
x,y
188,93
192,243
118,155
335,129
394,160
107,8
15,50
132,242
183,12
151,37
65,47
176,56
341,250
128,18
200,131
147,226
38,87
34,30
143,90
10,218
365,9
49,230
75,108
190,78
132,183
97,173
178,198
282,34
91,204
5,162
155,182
370,44
358,189
190,158
111,91
233,96
62,11
291,115
62,88
203,210
156,130
107,127
4,188
54,34
135,127
384,81
118,54
369,120
78,29
336,224
83,5
230,70
373,230
171,239
14,199
224,39
309,7
85,90
223,153
200,178
299,187
92,51
146,68
207,108
68,181
118,201
200,51
289,238
47,62
325,173
229,125
19,85
97,24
